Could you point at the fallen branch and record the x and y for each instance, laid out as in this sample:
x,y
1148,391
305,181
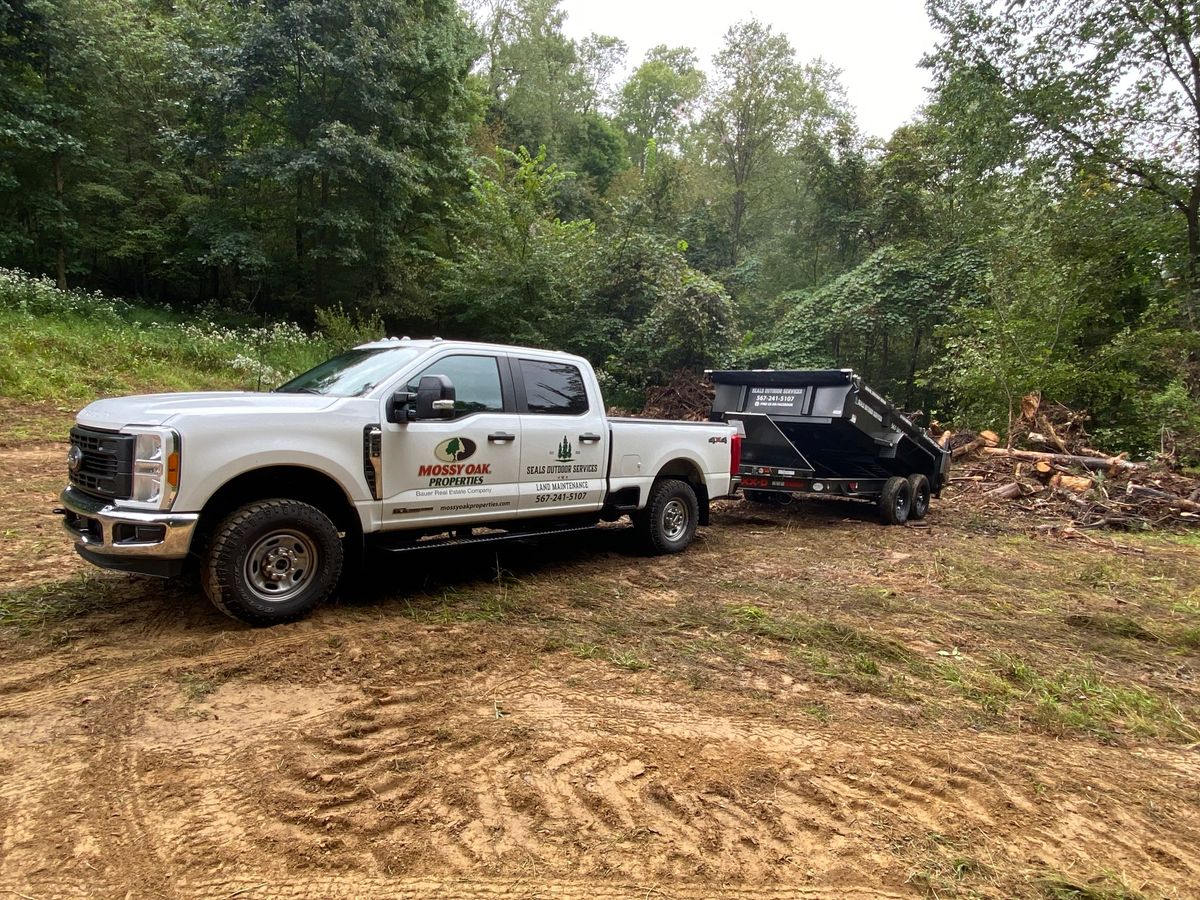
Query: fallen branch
x,y
1086,462
1140,490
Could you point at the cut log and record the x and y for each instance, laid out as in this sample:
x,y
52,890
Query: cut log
x,y
1005,491
1140,490
1043,469
1030,404
944,440
1086,462
1076,484
966,449
989,438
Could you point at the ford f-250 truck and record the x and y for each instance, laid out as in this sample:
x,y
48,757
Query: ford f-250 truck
x,y
400,444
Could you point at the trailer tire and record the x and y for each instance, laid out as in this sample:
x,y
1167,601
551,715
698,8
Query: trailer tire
x,y
272,561
895,502
919,486
668,523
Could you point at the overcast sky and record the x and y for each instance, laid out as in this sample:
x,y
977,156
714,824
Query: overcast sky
x,y
876,43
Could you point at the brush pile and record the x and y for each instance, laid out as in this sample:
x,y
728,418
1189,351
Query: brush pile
x,y
1052,471
687,396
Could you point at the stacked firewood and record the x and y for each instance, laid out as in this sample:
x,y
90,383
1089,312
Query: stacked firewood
x,y
1051,470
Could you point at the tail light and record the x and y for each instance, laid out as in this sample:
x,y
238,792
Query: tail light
x,y
735,454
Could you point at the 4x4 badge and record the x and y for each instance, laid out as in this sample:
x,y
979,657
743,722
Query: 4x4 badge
x,y
455,449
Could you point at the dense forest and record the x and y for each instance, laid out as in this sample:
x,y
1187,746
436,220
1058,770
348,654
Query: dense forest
x,y
472,171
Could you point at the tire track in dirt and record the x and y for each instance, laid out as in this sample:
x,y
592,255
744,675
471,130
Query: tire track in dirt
x,y
365,887
24,693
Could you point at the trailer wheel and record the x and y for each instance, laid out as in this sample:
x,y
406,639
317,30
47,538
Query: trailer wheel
x,y
919,486
272,561
668,523
895,502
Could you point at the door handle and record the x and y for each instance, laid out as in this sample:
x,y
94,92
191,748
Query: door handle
x,y
589,438
500,437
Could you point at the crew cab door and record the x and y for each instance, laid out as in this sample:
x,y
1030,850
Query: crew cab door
x,y
436,471
564,438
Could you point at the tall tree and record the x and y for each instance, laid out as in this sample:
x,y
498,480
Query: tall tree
x,y
760,103
1112,86
658,99
350,125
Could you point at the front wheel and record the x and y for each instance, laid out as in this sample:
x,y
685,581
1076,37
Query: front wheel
x,y
272,561
668,523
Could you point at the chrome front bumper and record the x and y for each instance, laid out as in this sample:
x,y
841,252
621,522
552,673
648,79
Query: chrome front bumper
x,y
102,531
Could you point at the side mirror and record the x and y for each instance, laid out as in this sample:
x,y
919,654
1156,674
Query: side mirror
x,y
435,398
398,406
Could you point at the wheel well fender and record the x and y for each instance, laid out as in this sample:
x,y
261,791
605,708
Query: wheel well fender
x,y
686,470
293,482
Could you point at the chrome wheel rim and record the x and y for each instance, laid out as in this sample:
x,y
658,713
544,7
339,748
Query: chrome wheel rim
x,y
901,504
674,519
281,565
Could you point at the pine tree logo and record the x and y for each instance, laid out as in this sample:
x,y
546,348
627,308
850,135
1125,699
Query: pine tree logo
x,y
565,450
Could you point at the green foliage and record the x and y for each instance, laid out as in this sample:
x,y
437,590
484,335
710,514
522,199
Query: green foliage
x,y
356,163
518,272
52,344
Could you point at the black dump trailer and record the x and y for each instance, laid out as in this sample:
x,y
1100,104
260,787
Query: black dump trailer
x,y
825,432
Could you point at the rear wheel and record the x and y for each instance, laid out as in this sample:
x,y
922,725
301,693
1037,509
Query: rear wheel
x,y
668,523
919,486
272,561
895,503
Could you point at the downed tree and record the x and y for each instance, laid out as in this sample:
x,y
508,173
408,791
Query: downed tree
x,y
1066,459
1051,469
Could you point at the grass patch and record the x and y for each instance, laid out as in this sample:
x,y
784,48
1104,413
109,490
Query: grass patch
x,y
50,341
818,634
1116,626
626,659
197,687
1068,700
1056,886
33,609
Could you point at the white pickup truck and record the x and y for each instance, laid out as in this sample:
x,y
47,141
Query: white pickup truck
x,y
400,444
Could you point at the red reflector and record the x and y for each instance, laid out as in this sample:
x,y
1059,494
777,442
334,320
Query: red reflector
x,y
853,485
793,484
735,454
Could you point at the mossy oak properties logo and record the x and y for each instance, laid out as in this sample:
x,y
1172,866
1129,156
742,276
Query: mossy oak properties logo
x,y
455,449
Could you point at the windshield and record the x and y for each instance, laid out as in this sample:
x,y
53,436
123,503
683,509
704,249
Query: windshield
x,y
352,373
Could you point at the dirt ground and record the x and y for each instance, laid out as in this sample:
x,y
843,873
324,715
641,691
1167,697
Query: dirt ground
x,y
805,704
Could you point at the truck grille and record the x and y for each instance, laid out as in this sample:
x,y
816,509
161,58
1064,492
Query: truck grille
x,y
106,463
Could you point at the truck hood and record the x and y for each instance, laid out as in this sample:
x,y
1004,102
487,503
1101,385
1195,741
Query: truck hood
x,y
159,409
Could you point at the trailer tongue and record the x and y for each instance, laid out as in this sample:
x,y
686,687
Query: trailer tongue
x,y
825,432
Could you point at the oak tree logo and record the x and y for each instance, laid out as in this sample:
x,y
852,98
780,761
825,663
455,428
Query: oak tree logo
x,y
455,449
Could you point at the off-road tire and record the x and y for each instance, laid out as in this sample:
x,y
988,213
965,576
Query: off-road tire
x,y
895,503
919,486
668,523
224,572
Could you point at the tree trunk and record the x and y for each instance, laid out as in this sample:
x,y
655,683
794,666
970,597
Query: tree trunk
x,y
912,369
735,226
1192,295
60,267
1086,462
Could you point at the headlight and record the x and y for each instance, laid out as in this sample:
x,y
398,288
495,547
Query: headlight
x,y
155,467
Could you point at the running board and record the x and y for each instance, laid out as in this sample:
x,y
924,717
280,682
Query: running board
x,y
482,539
